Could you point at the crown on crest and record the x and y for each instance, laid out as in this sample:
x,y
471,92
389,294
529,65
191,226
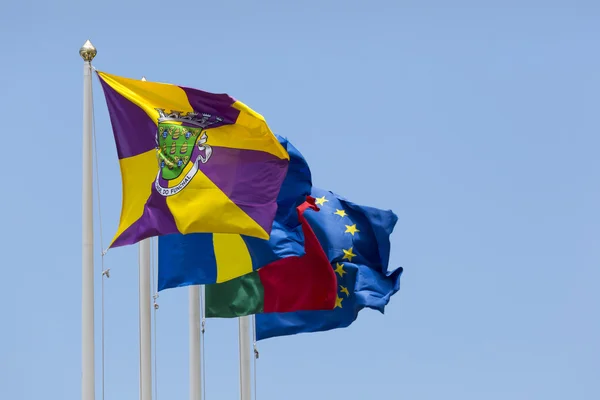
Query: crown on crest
x,y
201,120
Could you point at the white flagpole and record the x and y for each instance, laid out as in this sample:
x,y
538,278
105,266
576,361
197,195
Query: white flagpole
x,y
245,361
87,52
195,365
145,304
145,322
194,343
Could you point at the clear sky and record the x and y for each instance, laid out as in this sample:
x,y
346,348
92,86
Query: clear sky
x,y
477,124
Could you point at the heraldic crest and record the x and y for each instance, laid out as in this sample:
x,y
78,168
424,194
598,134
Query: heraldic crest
x,y
177,136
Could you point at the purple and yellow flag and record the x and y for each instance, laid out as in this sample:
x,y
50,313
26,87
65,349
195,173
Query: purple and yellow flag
x,y
191,161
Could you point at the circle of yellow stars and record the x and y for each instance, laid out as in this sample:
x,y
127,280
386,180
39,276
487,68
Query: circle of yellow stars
x,y
348,253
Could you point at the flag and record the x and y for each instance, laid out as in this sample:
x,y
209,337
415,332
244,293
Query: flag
x,y
203,258
191,161
304,282
356,241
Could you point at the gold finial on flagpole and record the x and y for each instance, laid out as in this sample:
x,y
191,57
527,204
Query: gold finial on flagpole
x,y
88,51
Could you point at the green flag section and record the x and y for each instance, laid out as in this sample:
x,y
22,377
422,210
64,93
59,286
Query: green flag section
x,y
235,298
297,283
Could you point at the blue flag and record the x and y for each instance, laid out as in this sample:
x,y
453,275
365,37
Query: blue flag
x,y
356,241
205,258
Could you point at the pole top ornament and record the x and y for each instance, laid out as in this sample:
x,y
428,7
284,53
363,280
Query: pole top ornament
x,y
88,51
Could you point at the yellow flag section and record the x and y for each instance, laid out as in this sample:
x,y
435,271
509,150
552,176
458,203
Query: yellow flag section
x,y
232,257
191,161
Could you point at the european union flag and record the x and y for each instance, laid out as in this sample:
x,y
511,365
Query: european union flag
x,y
356,241
205,258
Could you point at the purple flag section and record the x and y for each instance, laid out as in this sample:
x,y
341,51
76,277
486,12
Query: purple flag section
x,y
134,130
248,178
211,103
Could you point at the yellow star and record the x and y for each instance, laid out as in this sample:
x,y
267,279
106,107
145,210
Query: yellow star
x,y
321,200
341,213
348,254
338,302
351,229
345,290
339,268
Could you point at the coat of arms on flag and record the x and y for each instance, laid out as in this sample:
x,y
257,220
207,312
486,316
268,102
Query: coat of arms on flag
x,y
181,138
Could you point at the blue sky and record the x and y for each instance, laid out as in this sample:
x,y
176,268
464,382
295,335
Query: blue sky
x,y
477,124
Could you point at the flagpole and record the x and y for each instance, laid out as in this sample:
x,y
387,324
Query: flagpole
x,y
87,52
145,322
194,343
245,361
145,303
